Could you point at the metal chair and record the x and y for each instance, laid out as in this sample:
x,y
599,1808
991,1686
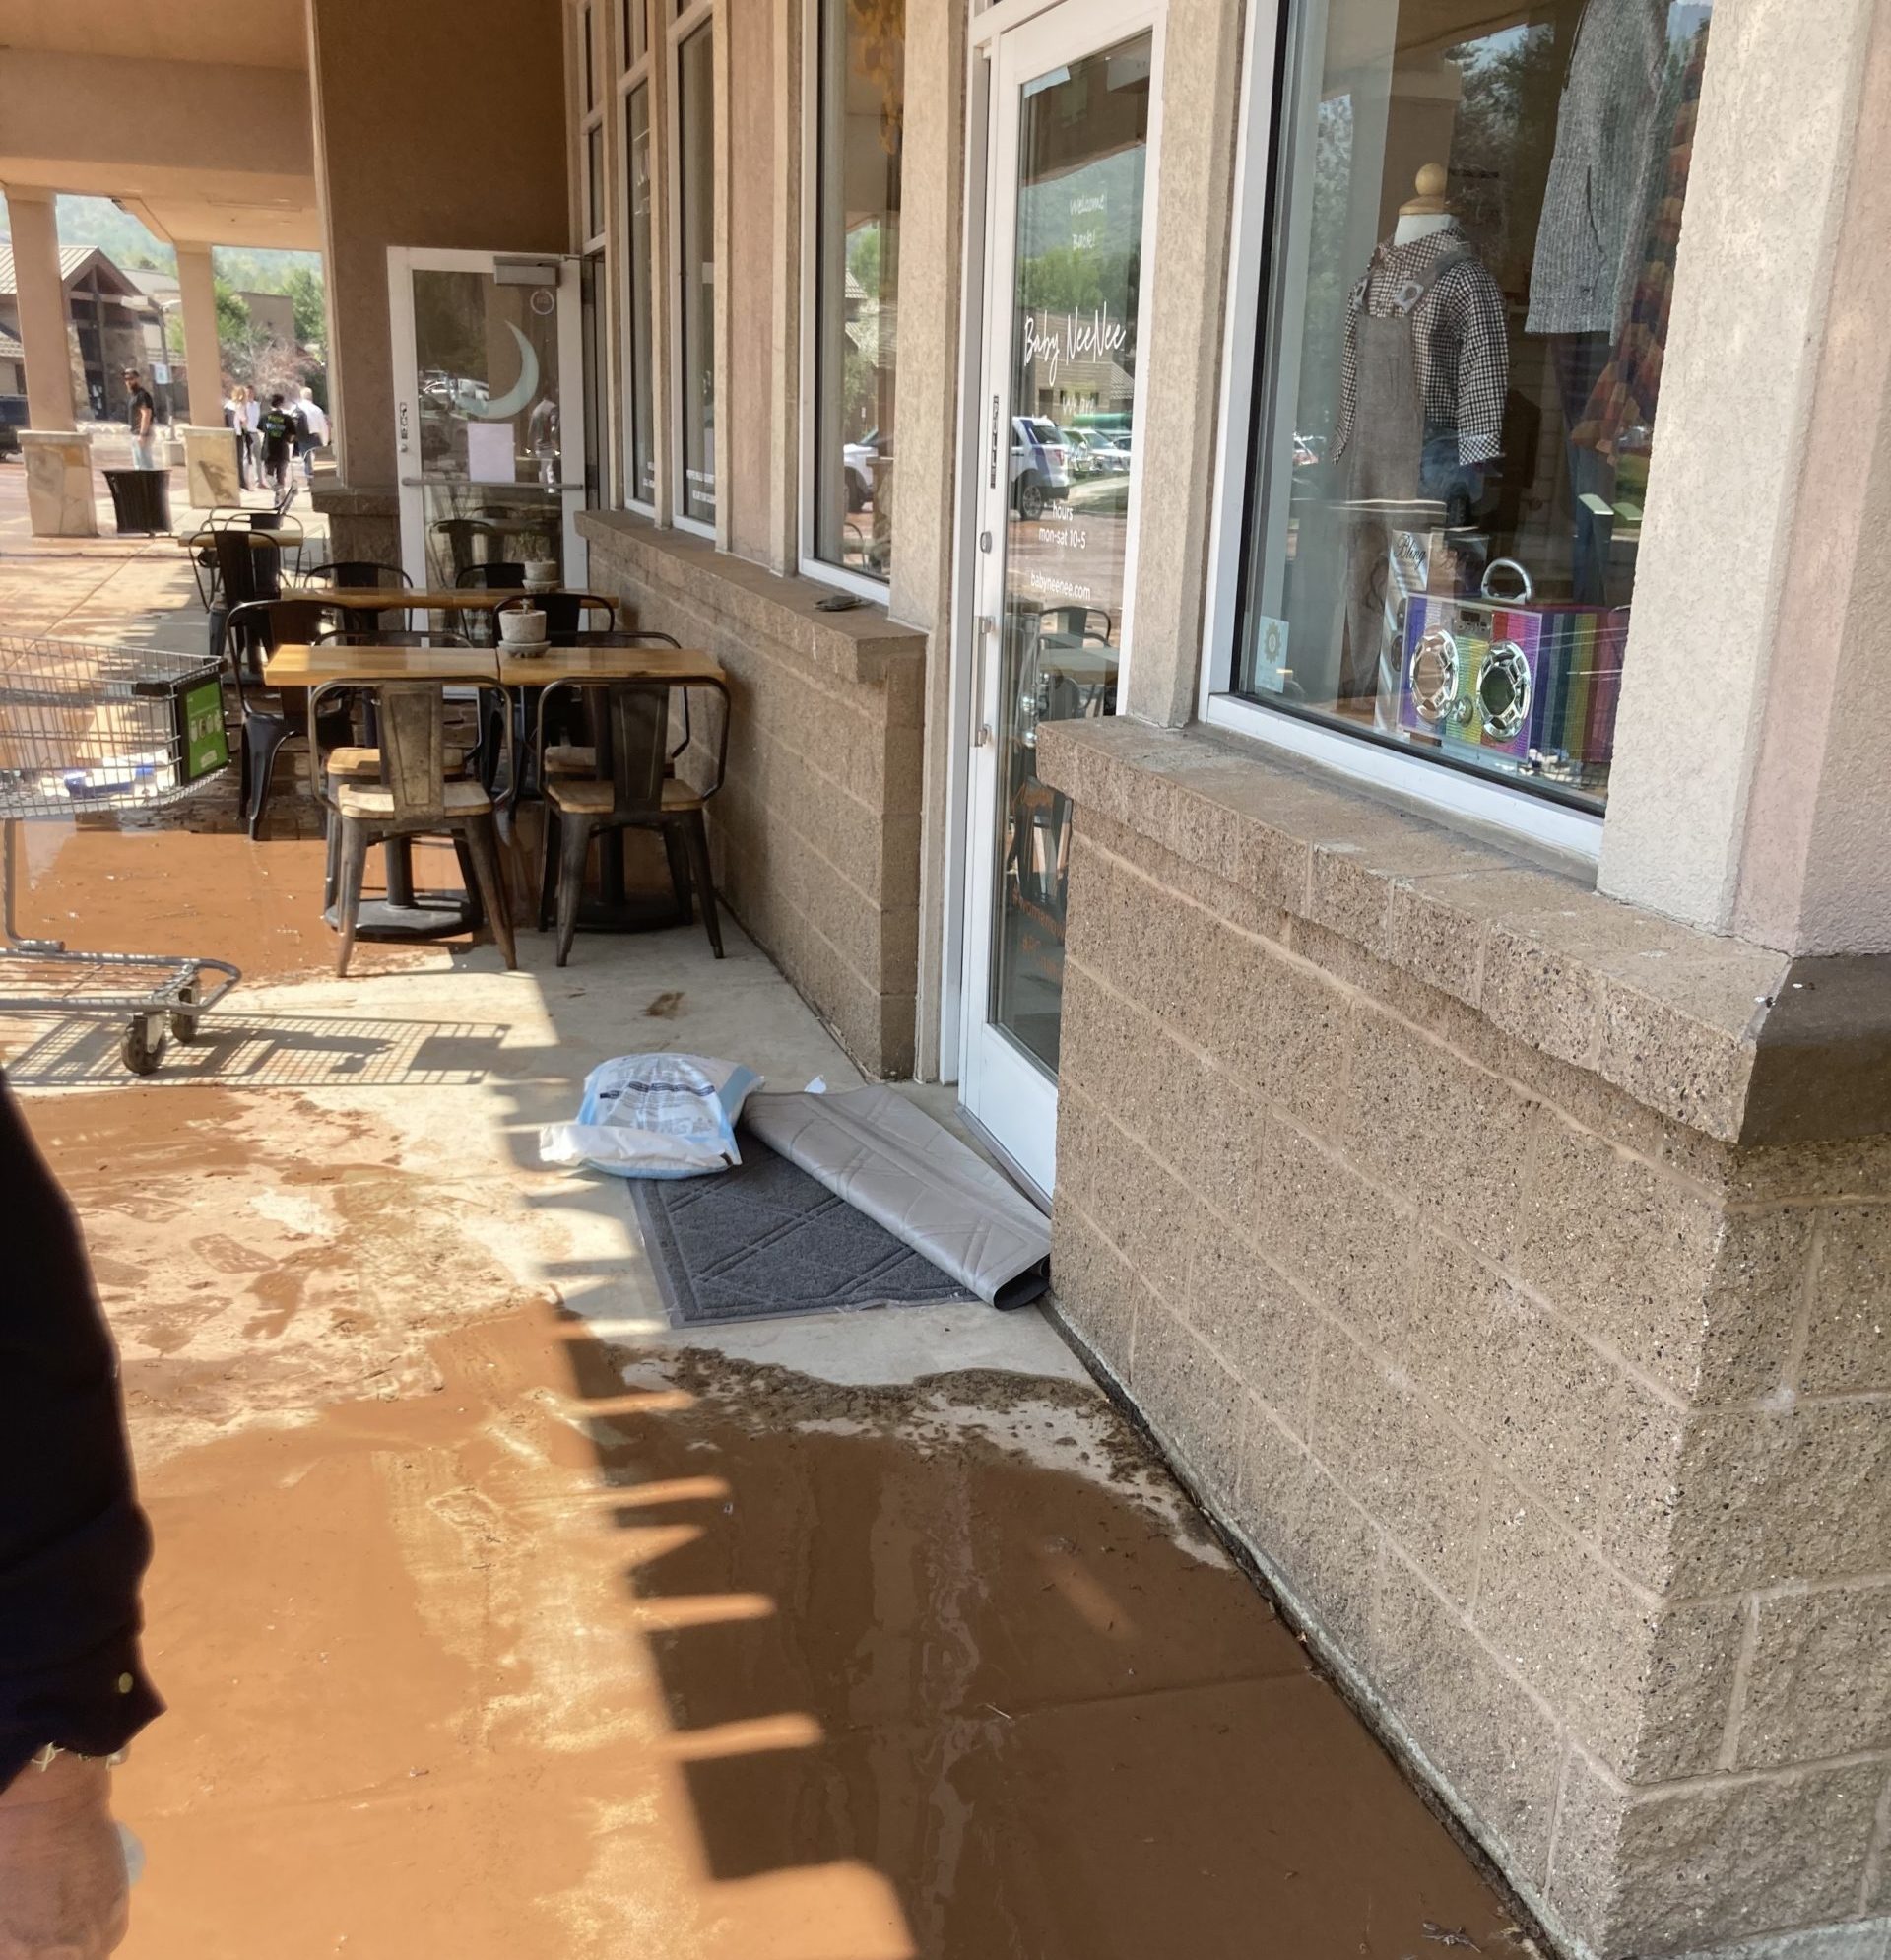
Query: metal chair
x,y
631,787
580,759
414,796
499,576
563,610
255,628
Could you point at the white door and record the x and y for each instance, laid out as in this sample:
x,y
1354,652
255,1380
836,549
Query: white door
x,y
489,410
1072,183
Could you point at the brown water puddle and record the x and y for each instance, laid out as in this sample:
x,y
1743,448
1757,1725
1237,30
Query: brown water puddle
x,y
736,1665
210,894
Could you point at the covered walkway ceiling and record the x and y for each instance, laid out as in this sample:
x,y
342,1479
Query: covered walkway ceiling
x,y
193,114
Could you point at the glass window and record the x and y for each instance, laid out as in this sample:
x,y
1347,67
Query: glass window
x,y
640,429
589,62
861,119
696,272
1463,337
636,31
594,180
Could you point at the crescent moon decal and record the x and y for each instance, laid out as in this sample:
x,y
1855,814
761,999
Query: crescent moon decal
x,y
516,400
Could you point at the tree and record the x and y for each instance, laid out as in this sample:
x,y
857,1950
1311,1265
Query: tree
x,y
232,310
304,285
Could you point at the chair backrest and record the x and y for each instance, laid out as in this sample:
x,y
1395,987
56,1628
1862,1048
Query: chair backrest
x,y
357,633
639,724
496,576
616,638
292,621
564,612
413,742
358,575
247,571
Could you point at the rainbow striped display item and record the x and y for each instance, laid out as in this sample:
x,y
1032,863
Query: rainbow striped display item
x,y
1528,687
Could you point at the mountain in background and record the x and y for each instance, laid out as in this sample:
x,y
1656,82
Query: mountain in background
x,y
97,221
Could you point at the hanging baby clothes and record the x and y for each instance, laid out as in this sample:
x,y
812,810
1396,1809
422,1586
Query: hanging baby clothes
x,y
1622,403
1425,374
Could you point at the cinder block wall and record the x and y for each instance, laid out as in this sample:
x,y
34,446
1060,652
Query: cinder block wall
x,y
815,834
1567,1425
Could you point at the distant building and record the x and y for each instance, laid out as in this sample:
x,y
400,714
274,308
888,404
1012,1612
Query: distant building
x,y
109,320
273,316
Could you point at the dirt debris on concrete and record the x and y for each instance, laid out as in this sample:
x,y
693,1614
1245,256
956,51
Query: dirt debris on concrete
x,y
705,1674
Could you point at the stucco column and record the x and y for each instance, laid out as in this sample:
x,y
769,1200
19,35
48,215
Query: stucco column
x,y
1749,775
203,356
43,309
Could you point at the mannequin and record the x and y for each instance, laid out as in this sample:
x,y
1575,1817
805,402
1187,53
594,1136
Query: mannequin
x,y
1420,215
1422,386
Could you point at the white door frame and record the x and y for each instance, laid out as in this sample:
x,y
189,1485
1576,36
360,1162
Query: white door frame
x,y
402,261
989,1070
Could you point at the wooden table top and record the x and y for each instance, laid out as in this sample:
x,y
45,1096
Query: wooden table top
x,y
294,666
681,666
299,665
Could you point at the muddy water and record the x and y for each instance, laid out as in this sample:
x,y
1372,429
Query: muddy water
x,y
734,1665
181,891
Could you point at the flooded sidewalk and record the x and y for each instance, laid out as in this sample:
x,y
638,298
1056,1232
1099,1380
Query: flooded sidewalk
x,y
498,1619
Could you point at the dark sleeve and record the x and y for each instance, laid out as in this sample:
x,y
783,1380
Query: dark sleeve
x,y
73,1543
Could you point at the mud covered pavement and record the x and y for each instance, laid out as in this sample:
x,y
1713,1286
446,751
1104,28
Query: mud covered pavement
x,y
497,1621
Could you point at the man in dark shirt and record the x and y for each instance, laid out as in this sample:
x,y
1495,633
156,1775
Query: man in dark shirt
x,y
140,414
277,430
73,1548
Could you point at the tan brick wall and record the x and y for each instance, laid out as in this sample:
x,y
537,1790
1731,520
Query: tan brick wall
x,y
1568,1429
816,834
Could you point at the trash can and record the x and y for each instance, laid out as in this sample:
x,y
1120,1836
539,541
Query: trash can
x,y
139,499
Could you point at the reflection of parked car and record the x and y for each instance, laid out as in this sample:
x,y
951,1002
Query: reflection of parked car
x,y
1040,465
862,463
1093,454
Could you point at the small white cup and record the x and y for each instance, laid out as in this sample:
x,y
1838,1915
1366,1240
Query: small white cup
x,y
522,625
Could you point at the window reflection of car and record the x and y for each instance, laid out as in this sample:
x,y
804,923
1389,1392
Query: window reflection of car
x,y
1040,465
861,461
1094,454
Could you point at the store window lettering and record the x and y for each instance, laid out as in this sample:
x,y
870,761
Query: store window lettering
x,y
1047,342
1460,377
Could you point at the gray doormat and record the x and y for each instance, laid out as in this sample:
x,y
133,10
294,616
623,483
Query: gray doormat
x,y
766,1239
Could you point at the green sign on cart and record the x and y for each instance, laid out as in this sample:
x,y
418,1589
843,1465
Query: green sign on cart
x,y
204,745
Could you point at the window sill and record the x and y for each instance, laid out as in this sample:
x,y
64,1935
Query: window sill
x,y
1683,1022
861,644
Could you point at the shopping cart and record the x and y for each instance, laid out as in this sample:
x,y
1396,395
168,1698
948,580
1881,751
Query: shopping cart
x,y
90,730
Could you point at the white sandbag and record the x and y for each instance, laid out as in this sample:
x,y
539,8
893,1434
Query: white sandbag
x,y
654,1115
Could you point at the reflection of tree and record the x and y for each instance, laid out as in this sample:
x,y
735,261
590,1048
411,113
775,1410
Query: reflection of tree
x,y
449,322
1329,278
876,35
1505,116
1064,280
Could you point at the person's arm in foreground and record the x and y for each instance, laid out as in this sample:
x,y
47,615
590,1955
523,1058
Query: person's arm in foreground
x,y
73,1548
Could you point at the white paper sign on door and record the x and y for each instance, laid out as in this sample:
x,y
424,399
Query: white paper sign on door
x,y
489,456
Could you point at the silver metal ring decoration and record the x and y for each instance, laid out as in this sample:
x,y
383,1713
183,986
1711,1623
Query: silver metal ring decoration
x,y
1525,589
1434,675
1503,710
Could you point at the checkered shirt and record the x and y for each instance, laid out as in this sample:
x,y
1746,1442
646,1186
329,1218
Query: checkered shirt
x,y
1459,342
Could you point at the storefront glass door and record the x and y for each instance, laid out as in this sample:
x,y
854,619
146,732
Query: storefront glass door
x,y
489,411
1071,162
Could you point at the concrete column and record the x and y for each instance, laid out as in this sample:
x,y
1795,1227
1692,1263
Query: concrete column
x,y
202,355
1746,766
42,309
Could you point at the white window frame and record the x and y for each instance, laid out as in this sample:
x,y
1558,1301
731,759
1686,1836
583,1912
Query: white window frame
x,y
588,31
633,75
1454,792
676,29
861,584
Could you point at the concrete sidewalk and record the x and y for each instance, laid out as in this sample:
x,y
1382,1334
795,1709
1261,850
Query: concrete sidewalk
x,y
498,1618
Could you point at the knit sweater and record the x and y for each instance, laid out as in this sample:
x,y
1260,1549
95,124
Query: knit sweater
x,y
1599,175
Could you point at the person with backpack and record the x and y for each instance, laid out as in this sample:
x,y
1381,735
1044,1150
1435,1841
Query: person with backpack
x,y
277,431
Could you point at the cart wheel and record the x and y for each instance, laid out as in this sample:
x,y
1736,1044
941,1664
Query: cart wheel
x,y
144,1045
183,1027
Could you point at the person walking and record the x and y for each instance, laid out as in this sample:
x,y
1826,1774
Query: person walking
x,y
237,423
314,433
252,432
74,1546
277,430
141,415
